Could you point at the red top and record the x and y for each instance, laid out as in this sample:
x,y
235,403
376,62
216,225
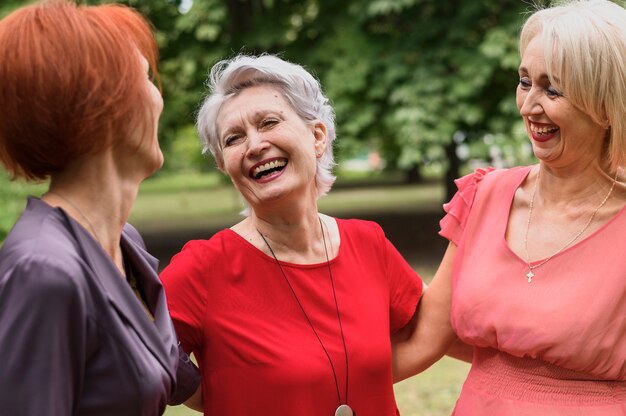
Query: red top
x,y
258,355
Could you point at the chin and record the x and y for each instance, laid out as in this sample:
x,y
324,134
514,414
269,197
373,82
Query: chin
x,y
154,165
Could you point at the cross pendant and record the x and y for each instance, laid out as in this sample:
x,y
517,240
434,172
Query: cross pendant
x,y
530,276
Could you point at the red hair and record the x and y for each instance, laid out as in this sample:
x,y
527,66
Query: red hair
x,y
71,83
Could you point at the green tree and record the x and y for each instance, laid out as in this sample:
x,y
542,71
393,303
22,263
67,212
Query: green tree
x,y
412,78
406,77
412,75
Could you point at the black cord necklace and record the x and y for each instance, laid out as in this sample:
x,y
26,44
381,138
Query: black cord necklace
x,y
343,409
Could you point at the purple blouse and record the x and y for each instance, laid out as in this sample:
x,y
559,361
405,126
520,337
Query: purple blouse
x,y
74,338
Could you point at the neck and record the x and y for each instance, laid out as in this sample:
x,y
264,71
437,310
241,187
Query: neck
x,y
294,224
99,201
302,236
560,187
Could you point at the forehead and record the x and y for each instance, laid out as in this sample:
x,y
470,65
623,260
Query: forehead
x,y
253,101
533,55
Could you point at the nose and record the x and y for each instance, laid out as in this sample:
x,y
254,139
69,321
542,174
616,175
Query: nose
x,y
528,102
257,144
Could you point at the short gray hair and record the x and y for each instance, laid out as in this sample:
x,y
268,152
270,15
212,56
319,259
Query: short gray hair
x,y
301,90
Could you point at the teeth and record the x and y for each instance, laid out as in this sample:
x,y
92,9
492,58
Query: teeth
x,y
543,130
267,166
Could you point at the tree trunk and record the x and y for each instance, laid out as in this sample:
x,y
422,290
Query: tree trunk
x,y
413,174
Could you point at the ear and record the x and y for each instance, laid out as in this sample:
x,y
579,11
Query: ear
x,y
220,165
320,135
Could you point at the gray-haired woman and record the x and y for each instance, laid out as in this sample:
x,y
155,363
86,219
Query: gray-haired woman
x,y
289,311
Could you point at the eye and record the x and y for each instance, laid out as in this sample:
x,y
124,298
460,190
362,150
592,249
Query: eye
x,y
553,92
524,83
268,122
232,140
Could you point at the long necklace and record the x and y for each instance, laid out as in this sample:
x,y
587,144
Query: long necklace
x,y
91,227
343,409
530,273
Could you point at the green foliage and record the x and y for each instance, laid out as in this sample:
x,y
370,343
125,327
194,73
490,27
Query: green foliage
x,y
184,153
9,5
404,76
13,200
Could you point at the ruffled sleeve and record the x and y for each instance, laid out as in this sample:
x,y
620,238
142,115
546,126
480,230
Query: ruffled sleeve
x,y
458,209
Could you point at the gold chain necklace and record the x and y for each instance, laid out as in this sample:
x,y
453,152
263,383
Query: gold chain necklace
x,y
530,273
91,227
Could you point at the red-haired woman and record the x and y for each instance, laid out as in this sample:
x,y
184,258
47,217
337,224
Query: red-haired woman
x,y
84,327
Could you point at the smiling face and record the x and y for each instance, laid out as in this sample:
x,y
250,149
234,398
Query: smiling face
x,y
559,132
269,151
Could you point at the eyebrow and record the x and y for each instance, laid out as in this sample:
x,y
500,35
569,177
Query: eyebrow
x,y
544,76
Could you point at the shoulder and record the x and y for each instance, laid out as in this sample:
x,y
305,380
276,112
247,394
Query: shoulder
x,y
476,191
361,233
201,255
501,177
496,184
41,253
202,267
213,246
354,226
40,234
42,271
487,180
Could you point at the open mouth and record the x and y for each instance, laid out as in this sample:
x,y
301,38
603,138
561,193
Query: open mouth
x,y
543,131
268,168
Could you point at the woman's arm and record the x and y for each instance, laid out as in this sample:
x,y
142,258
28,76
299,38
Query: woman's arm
x,y
461,351
187,379
195,401
429,335
43,338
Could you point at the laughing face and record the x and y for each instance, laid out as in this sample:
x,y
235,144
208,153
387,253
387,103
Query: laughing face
x,y
560,133
269,151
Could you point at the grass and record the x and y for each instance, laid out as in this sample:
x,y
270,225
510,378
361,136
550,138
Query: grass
x,y
434,392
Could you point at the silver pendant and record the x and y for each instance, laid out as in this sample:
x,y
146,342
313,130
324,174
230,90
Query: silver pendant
x,y
344,410
530,276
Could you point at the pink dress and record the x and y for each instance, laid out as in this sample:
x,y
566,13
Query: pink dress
x,y
556,346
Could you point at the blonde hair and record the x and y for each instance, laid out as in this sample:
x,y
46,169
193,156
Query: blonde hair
x,y
584,43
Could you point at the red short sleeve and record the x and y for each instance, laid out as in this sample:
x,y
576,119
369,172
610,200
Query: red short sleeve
x,y
183,280
405,288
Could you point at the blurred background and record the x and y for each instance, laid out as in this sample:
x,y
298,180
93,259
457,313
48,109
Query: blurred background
x,y
424,92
